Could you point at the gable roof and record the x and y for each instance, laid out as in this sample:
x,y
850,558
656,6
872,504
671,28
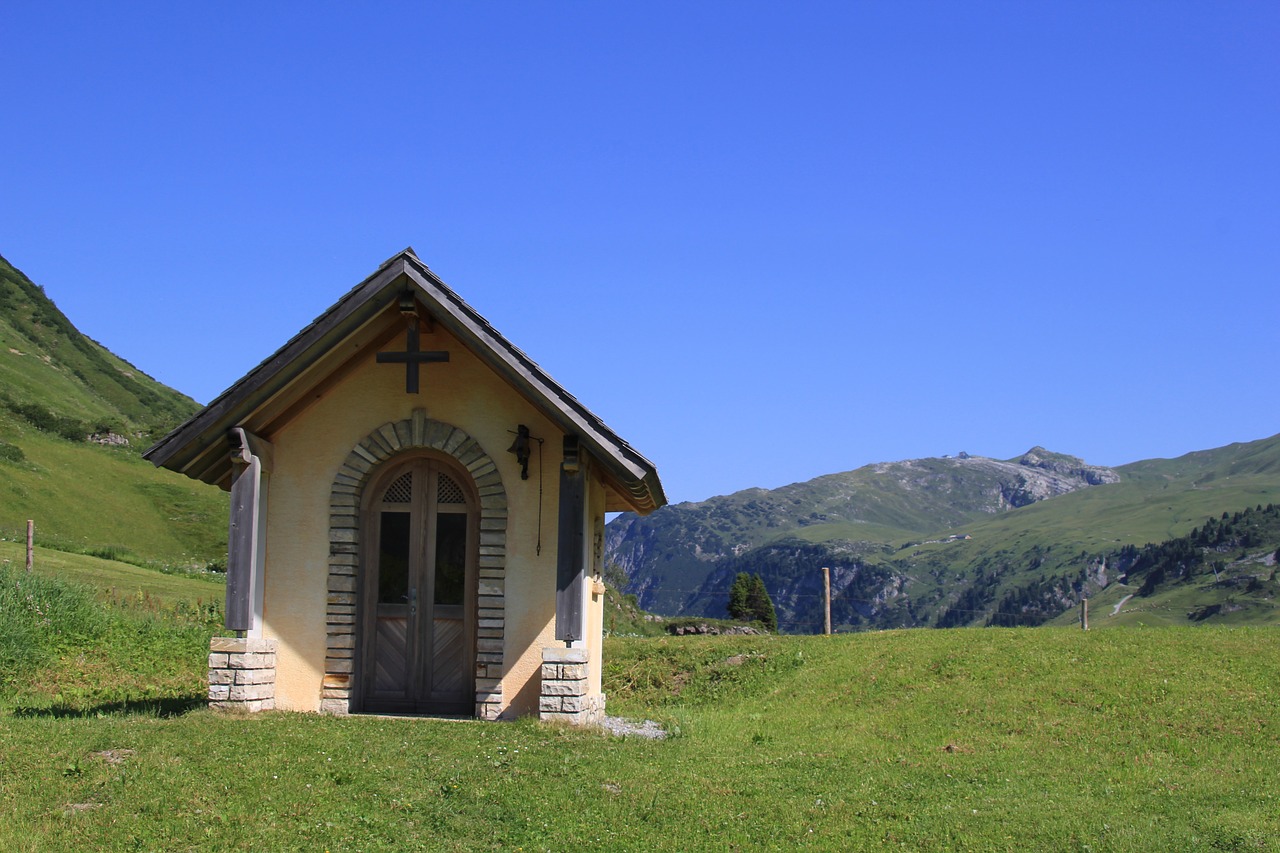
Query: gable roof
x,y
347,331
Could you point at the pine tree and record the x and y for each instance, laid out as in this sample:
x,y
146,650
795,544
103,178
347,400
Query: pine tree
x,y
749,601
761,605
738,607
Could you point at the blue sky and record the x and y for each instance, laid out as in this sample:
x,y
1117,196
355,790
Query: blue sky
x,y
796,238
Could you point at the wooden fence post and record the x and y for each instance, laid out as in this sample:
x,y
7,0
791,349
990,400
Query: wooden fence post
x,y
31,541
1084,614
826,598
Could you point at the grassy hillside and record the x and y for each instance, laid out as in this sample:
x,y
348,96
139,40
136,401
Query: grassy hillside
x,y
1154,739
1118,606
89,497
57,388
1224,571
45,361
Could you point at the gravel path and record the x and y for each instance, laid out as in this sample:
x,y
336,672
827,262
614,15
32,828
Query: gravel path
x,y
1120,604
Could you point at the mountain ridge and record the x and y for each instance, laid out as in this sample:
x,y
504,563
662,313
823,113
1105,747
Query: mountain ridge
x,y
885,500
934,541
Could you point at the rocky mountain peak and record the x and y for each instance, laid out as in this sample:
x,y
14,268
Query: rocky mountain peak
x,y
1068,466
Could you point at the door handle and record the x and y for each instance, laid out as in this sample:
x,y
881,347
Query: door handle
x,y
413,600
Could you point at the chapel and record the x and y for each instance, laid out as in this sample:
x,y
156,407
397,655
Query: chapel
x,y
417,516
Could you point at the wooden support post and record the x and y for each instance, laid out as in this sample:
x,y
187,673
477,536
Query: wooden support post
x,y
251,462
31,543
571,547
826,599
1084,614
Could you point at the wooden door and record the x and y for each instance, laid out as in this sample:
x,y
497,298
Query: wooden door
x,y
417,641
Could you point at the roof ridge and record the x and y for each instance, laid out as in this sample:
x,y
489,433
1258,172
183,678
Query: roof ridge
x,y
194,447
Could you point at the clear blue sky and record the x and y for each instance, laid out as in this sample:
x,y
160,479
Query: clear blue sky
x,y
763,241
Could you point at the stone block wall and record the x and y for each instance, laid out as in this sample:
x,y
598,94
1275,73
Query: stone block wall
x,y
242,673
564,695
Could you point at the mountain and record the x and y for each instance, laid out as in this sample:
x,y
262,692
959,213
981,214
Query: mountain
x,y
73,420
942,541
670,553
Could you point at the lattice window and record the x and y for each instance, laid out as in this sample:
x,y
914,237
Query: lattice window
x,y
449,492
401,491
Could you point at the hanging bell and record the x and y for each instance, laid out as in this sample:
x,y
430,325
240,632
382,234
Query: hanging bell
x,y
520,447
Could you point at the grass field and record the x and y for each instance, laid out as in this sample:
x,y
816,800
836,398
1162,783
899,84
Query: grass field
x,y
1138,739
115,579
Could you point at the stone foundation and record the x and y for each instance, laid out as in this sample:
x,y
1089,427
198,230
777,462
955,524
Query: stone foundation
x,y
242,673
564,689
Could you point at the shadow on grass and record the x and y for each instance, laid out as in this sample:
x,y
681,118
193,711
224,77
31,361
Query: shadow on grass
x,y
162,708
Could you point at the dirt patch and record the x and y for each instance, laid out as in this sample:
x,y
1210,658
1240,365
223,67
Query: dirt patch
x,y
114,756
72,808
629,728
678,681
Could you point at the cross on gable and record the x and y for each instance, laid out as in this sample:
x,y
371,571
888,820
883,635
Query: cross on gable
x,y
412,357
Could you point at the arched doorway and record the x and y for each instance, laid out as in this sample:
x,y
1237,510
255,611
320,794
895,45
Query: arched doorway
x,y
420,544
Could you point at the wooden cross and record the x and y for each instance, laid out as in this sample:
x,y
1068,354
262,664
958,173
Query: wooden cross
x,y
411,358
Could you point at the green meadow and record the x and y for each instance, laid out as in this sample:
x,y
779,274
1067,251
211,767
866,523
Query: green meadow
x,y
968,739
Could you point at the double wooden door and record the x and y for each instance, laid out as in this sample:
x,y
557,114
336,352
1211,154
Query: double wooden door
x,y
417,638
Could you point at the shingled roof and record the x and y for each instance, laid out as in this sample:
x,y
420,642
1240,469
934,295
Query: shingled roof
x,y
277,387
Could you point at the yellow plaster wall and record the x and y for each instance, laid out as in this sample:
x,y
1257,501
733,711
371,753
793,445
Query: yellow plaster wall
x,y
308,452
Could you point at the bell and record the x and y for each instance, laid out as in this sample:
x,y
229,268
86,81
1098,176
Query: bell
x,y
520,447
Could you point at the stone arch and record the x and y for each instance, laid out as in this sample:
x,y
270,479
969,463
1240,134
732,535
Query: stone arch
x,y
388,440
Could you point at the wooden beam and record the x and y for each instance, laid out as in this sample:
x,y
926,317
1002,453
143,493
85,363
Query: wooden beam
x,y
570,547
